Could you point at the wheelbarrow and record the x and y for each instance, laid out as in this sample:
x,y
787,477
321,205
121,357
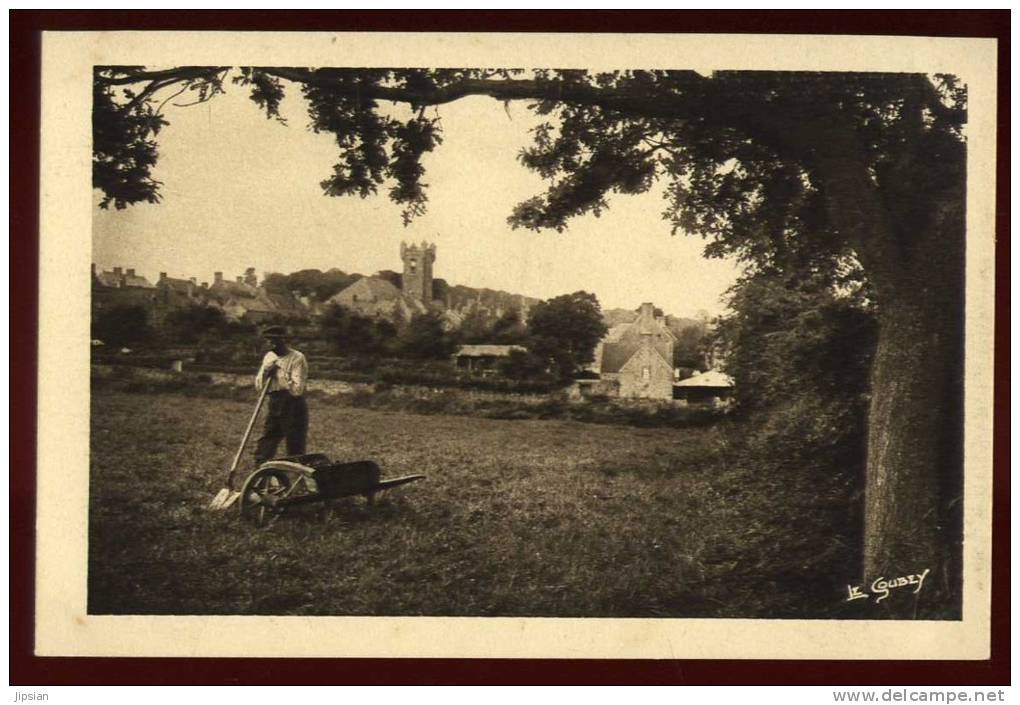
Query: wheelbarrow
x,y
281,484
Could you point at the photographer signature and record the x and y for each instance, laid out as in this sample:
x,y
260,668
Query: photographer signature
x,y
882,587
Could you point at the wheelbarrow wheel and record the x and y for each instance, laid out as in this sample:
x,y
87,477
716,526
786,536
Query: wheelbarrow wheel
x,y
259,494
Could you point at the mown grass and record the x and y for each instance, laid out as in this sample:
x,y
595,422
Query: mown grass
x,y
517,517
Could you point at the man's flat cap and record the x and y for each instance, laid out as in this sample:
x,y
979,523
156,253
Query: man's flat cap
x,y
274,332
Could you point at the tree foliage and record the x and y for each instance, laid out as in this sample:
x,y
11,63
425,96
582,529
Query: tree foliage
x,y
523,365
424,337
122,325
565,330
348,332
509,329
189,324
690,348
791,336
313,283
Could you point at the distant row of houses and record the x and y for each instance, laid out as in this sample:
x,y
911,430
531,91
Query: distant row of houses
x,y
241,299
244,299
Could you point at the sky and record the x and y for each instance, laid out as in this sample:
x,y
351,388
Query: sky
x,y
241,191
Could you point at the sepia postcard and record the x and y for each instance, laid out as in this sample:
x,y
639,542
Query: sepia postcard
x,y
515,345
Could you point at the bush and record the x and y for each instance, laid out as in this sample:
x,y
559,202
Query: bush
x,y
122,326
425,338
348,332
188,324
565,331
800,350
521,365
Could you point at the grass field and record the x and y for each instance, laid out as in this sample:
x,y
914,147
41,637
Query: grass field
x,y
522,517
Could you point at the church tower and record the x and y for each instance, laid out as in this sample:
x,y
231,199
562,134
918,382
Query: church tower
x,y
417,279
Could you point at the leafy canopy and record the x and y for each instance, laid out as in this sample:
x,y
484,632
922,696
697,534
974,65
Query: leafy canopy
x,y
565,330
764,164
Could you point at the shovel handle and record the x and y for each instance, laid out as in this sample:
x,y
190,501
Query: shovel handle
x,y
251,424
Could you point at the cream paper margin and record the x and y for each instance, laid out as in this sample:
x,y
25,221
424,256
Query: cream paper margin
x,y
62,626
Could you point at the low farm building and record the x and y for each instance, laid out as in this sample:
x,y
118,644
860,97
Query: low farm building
x,y
475,358
708,387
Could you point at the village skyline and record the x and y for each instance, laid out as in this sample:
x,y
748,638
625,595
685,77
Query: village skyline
x,y
121,274
241,191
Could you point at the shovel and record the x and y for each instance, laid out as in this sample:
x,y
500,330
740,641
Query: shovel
x,y
227,495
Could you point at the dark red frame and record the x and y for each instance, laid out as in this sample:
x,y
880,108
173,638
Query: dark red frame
x,y
27,669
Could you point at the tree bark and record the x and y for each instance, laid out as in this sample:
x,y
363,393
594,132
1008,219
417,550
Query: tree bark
x,y
913,502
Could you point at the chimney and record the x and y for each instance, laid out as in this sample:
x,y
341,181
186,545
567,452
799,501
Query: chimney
x,y
162,276
205,285
217,278
240,279
193,280
647,310
131,272
118,271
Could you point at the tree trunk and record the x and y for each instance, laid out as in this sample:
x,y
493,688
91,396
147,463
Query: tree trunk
x,y
913,502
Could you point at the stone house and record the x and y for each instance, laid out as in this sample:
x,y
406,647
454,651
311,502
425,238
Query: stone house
x,y
638,357
119,278
173,293
120,287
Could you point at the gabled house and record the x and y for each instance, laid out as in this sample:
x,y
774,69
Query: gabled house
x,y
119,278
223,289
173,293
120,288
638,357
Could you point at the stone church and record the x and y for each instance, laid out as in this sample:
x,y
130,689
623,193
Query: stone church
x,y
378,297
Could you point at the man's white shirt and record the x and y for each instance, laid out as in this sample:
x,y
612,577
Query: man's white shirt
x,y
291,372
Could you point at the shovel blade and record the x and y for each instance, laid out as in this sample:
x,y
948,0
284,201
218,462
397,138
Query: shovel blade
x,y
223,499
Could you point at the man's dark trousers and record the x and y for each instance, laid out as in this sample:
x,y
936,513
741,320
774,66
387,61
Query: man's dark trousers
x,y
287,420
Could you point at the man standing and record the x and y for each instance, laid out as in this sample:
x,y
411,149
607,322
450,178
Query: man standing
x,y
285,370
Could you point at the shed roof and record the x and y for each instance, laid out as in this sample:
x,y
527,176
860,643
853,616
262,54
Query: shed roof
x,y
712,378
487,350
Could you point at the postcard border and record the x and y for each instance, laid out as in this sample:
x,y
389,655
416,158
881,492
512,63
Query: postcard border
x,y
25,668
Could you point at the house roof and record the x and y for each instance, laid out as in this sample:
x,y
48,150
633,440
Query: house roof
x,y
284,302
181,285
616,355
135,280
373,287
225,288
712,378
257,304
487,350
108,279
114,280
